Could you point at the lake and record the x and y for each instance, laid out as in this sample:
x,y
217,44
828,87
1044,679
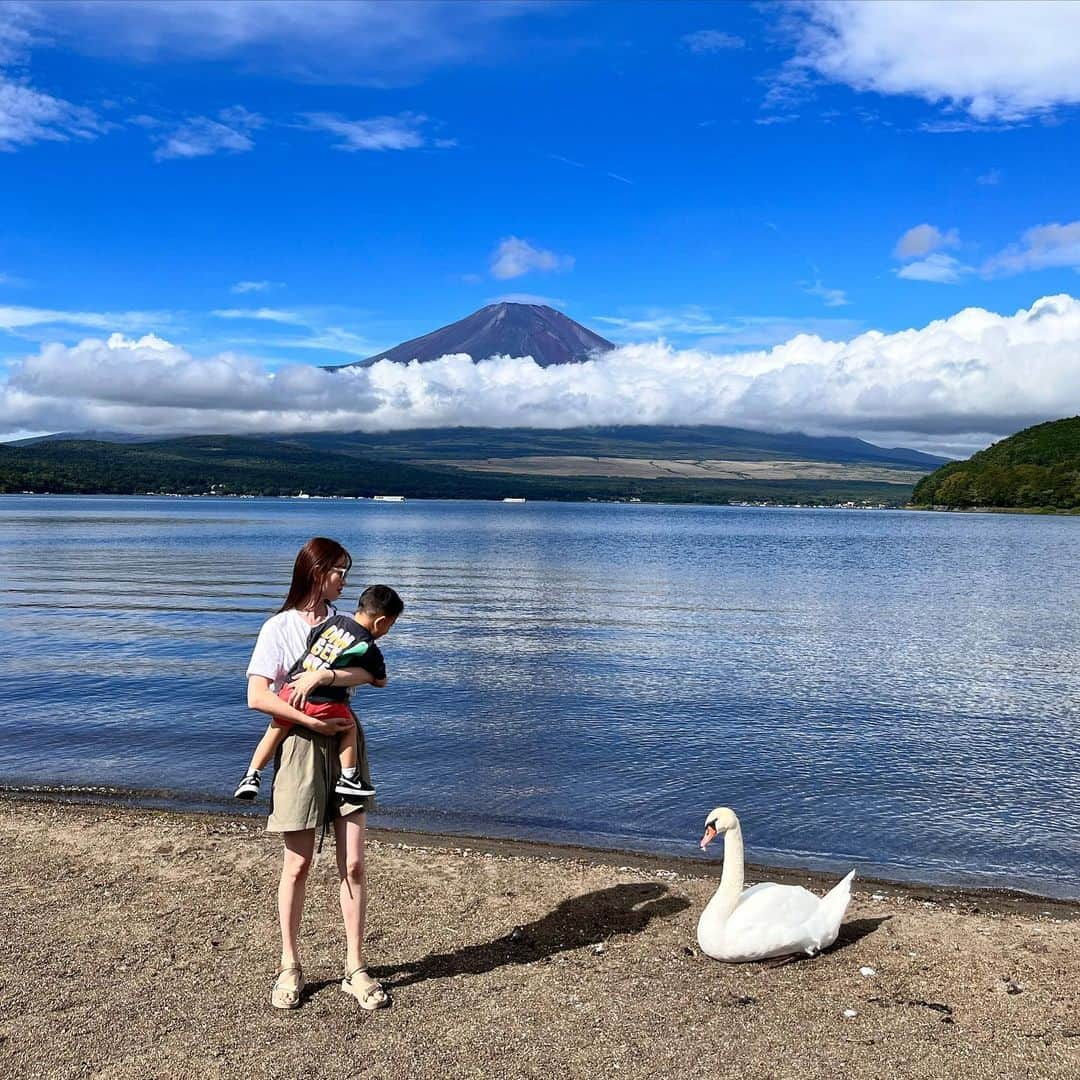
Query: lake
x,y
890,690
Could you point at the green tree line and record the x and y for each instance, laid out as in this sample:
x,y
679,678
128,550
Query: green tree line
x,y
1037,468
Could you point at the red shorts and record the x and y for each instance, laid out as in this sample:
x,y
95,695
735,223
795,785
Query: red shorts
x,y
317,710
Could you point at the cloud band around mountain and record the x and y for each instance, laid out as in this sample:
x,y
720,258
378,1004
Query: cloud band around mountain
x,y
953,383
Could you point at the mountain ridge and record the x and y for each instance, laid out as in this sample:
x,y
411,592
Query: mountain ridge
x,y
501,329
621,440
612,440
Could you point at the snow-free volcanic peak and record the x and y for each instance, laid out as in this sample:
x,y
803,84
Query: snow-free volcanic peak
x,y
503,329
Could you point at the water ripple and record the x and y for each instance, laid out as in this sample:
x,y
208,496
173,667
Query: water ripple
x,y
896,691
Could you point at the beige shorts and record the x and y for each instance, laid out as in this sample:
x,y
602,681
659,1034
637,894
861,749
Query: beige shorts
x,y
306,768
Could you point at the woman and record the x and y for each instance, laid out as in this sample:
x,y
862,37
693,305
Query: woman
x,y
306,769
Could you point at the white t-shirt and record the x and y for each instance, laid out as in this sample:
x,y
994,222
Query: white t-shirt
x,y
281,642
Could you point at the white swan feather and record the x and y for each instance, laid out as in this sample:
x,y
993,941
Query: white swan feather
x,y
767,920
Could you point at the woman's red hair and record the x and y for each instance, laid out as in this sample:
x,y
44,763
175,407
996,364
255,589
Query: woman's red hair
x,y
314,563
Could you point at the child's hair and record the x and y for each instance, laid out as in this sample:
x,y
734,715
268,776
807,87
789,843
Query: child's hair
x,y
378,600
314,563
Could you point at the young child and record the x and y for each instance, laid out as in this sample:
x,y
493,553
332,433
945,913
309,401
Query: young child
x,y
343,641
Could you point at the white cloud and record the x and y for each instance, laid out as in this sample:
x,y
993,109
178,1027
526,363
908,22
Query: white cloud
x,y
712,41
950,123
15,36
515,257
922,239
22,318
923,243
201,136
1043,247
831,297
776,118
324,41
1040,248
943,269
996,61
976,372
147,341
974,375
581,165
990,178
28,116
254,286
688,320
334,339
261,315
402,132
18,318
739,331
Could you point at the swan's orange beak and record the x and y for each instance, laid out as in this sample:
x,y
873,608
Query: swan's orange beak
x,y
708,838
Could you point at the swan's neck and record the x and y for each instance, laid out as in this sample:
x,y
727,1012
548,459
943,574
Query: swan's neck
x,y
731,880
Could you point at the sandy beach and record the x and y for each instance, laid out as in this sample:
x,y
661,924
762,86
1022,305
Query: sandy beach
x,y
141,943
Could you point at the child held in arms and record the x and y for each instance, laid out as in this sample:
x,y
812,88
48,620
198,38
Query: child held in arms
x,y
343,641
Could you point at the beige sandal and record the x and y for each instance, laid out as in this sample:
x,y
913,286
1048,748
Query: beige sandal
x,y
283,996
367,991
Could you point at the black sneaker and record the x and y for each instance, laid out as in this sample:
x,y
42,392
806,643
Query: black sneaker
x,y
249,787
354,788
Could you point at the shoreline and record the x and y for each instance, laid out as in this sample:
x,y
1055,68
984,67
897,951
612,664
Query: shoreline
x,y
582,500
1038,511
146,943
739,504
989,898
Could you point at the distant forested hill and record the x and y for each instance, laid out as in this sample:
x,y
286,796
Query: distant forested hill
x,y
1037,468
227,464
236,465
644,441
653,441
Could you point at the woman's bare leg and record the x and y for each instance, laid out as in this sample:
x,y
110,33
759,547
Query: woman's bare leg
x,y
299,850
349,833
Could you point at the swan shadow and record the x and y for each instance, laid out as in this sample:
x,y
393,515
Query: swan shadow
x,y
577,921
855,930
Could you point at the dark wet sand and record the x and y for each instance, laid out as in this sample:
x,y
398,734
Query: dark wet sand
x,y
141,944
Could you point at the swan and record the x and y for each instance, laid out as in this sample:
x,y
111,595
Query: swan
x,y
767,920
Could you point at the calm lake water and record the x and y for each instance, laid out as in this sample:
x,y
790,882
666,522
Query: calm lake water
x,y
894,691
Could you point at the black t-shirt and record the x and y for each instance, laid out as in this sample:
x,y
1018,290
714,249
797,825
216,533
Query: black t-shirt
x,y
340,642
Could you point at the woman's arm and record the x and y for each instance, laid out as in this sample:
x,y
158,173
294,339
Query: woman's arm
x,y
308,681
262,698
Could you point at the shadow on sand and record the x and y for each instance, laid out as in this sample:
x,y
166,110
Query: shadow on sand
x,y
856,930
621,909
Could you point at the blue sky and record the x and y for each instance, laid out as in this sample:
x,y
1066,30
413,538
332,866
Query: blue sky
x,y
311,183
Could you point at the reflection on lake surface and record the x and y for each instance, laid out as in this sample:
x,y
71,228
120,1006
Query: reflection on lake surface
x,y
896,691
